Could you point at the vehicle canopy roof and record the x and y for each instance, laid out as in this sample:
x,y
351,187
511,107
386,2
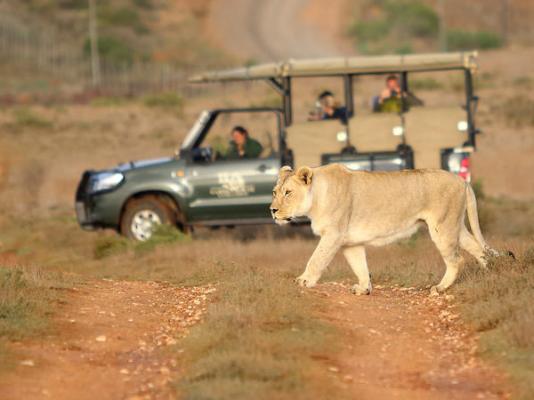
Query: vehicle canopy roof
x,y
344,65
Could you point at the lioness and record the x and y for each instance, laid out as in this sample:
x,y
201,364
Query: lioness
x,y
352,209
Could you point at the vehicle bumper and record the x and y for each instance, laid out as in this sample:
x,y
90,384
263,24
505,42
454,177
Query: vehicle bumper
x,y
101,210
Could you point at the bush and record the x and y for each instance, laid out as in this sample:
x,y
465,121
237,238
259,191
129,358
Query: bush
x,y
412,18
463,40
112,50
164,234
109,245
369,31
400,20
126,17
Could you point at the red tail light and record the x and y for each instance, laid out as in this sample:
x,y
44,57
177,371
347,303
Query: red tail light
x,y
465,169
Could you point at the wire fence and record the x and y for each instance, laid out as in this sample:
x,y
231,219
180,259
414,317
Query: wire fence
x,y
43,52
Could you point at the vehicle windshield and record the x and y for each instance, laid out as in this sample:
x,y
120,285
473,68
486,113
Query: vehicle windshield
x,y
195,129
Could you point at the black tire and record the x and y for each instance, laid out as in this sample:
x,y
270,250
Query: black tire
x,y
142,212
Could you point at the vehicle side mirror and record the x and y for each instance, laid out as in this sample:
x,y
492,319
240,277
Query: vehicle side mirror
x,y
201,154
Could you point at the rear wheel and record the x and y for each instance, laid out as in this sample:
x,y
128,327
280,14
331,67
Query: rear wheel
x,y
143,215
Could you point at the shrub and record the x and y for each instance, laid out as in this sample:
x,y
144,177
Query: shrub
x,y
126,17
164,234
401,19
413,18
112,50
109,245
368,31
463,40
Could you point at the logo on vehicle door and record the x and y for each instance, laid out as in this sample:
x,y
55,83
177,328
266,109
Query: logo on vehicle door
x,y
232,185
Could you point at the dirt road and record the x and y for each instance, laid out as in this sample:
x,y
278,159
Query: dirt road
x,y
111,340
110,343
277,29
401,343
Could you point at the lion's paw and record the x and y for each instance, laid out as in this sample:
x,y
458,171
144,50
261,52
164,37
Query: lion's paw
x,y
359,290
435,291
306,281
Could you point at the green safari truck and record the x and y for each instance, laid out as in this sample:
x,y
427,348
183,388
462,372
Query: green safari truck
x,y
199,186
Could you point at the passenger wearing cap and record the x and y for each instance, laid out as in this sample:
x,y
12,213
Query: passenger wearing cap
x,y
328,108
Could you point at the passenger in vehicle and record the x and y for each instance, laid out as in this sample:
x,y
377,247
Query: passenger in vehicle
x,y
390,99
328,108
242,145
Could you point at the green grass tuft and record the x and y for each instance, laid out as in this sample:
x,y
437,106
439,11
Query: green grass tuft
x,y
163,235
106,246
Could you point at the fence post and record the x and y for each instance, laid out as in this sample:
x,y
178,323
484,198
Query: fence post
x,y
93,35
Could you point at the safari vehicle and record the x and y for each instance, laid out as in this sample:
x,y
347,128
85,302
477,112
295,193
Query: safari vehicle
x,y
198,186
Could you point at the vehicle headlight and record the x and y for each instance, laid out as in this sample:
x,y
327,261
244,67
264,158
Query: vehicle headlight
x,y
106,181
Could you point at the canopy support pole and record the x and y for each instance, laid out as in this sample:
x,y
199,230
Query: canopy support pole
x,y
288,112
469,108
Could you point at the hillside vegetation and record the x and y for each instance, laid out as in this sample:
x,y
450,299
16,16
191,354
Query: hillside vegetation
x,y
141,42
406,26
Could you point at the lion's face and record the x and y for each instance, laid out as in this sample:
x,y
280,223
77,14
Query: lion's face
x,y
291,195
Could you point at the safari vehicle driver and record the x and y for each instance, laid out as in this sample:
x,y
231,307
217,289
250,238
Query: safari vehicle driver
x,y
328,108
242,145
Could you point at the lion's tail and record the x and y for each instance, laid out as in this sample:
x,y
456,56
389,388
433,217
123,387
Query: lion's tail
x,y
472,215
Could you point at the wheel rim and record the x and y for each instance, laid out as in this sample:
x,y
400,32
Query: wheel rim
x,y
144,223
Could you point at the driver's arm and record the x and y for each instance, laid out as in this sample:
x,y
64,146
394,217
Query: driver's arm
x,y
232,153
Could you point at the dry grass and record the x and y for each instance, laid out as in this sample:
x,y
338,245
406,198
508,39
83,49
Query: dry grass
x,y
517,111
258,340
498,303
27,295
260,334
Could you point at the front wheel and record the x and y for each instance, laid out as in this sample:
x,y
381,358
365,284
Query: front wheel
x,y
142,216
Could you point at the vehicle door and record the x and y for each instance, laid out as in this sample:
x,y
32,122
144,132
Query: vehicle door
x,y
235,189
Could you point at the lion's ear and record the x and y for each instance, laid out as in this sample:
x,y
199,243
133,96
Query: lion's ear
x,y
305,174
284,172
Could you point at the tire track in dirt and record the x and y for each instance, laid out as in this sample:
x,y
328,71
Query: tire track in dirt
x,y
401,343
112,342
